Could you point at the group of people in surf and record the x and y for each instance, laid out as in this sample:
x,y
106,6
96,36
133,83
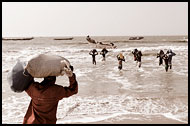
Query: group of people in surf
x,y
94,52
137,57
166,57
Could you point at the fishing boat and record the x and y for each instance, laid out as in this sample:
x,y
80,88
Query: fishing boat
x,y
16,39
63,38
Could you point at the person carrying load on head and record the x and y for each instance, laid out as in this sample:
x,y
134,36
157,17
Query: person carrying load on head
x,y
160,55
45,97
93,53
120,58
134,52
103,53
166,59
138,58
170,55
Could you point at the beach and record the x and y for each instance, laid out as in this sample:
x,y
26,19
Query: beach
x,y
146,95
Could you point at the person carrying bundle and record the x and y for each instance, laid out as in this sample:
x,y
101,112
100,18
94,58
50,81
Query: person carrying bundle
x,y
93,53
139,54
103,53
160,55
170,55
44,95
120,58
134,52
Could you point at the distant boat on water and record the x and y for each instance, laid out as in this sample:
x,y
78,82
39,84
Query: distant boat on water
x,y
136,38
185,40
16,39
63,38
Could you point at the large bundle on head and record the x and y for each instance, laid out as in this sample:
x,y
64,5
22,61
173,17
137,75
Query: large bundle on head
x,y
18,78
45,65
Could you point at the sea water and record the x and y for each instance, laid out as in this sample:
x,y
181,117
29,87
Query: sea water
x,y
105,93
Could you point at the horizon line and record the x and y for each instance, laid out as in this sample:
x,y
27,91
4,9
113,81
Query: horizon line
x,y
89,35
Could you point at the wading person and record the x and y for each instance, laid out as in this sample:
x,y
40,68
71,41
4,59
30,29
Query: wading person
x,y
45,97
138,58
166,59
120,58
170,55
160,55
103,53
93,53
134,52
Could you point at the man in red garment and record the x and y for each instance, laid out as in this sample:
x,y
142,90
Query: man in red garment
x,y
45,97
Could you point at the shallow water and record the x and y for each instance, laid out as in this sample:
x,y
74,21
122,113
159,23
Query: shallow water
x,y
105,93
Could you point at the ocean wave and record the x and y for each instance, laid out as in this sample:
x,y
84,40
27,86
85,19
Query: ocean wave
x,y
30,51
105,107
92,109
156,48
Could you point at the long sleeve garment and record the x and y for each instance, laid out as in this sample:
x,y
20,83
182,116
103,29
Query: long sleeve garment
x,y
44,101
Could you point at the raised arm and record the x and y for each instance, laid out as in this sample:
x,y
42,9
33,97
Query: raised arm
x,y
173,54
71,90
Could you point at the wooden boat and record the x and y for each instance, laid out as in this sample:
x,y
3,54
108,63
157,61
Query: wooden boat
x,y
100,44
63,38
91,40
16,39
105,45
136,38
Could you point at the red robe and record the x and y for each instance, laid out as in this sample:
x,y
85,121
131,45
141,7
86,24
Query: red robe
x,y
44,101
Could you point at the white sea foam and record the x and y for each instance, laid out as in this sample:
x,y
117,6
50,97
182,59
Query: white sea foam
x,y
83,71
91,108
97,109
156,48
179,117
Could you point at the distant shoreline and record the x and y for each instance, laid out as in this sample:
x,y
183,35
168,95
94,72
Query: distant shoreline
x,y
95,36
122,39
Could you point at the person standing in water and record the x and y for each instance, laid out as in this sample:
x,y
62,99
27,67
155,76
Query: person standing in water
x,y
93,53
170,55
120,58
160,55
138,58
166,59
103,53
134,52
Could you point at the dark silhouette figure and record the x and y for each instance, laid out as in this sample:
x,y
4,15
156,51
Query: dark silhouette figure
x,y
138,58
160,55
134,52
93,53
103,53
170,55
166,59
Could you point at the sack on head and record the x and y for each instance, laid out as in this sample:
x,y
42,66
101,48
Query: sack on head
x,y
18,78
45,65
